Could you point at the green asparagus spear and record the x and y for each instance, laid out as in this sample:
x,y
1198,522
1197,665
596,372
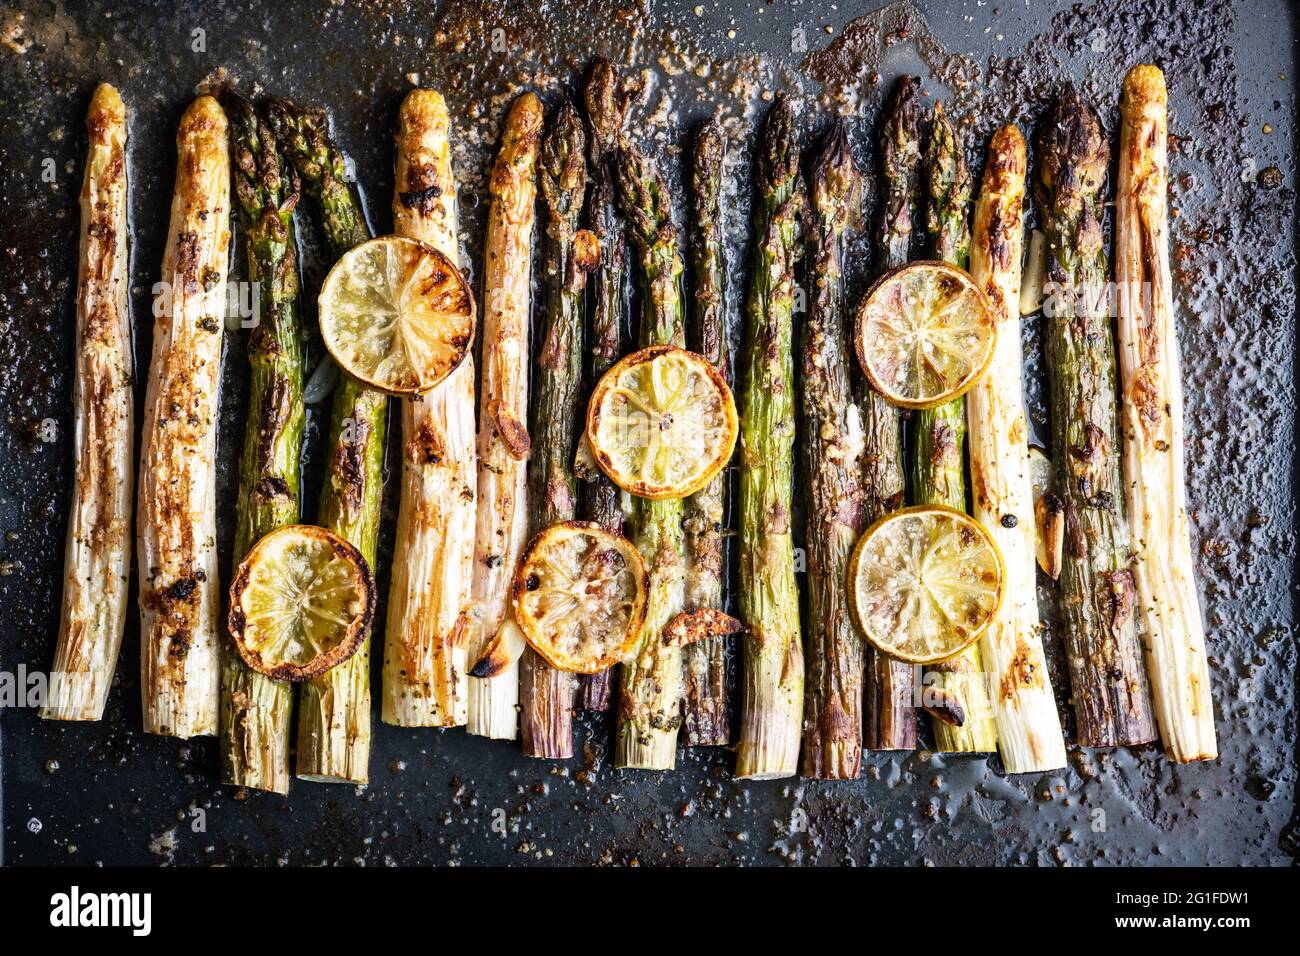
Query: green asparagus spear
x,y
255,709
705,707
334,709
890,718
773,679
545,693
948,193
651,691
836,510
304,136
606,103
1111,698
955,695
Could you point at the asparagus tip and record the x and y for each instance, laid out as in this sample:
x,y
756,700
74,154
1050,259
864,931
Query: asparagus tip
x,y
1006,162
606,100
777,163
1071,138
710,143
836,180
642,195
263,180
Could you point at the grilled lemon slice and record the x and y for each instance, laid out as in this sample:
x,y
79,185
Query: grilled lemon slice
x,y
924,334
301,602
579,596
662,422
397,315
925,582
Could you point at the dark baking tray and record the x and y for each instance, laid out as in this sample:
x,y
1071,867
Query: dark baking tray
x,y
106,793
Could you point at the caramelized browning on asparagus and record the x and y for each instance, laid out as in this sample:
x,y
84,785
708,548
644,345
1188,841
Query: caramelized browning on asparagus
x,y
1112,701
97,561
836,510
772,677
651,688
176,510
707,722
1024,710
546,693
1152,424
425,667
940,438
334,709
890,720
256,709
606,103
503,439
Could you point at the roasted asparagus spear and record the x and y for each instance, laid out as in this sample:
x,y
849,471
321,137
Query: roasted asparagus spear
x,y
334,709
773,678
1111,698
546,693
503,439
606,104
958,698
890,719
425,667
180,652
707,722
836,507
651,687
1152,425
256,709
97,559
1024,710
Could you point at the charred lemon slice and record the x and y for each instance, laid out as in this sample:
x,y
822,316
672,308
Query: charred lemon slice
x,y
662,422
301,603
925,582
397,315
579,596
924,334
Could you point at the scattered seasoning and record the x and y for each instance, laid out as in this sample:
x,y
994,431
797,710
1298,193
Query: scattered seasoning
x,y
1269,178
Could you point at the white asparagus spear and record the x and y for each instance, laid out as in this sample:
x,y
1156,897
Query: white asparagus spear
x,y
425,680
176,510
1152,426
98,556
1024,710
503,441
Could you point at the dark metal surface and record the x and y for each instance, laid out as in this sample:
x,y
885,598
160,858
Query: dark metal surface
x,y
106,793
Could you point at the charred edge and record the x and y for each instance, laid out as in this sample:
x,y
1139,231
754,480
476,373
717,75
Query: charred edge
x,y
836,190
778,156
997,244
1072,152
424,201
426,446
513,433
606,101
350,466
691,626
900,163
945,706
490,665
523,135
1005,169
187,260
